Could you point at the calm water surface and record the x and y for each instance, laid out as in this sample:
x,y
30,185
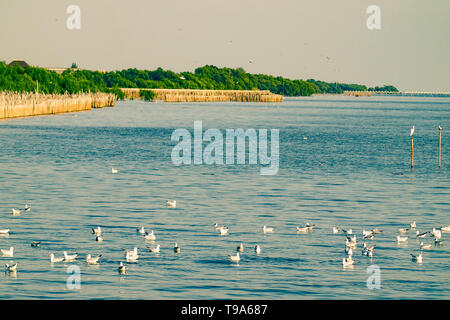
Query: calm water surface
x,y
352,171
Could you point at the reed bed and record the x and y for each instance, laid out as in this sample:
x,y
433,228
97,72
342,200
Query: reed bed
x,y
14,105
197,95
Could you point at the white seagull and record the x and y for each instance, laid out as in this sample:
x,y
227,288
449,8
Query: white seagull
x,y
412,131
413,225
240,248
436,233
141,230
27,208
69,258
4,231
122,269
99,238
131,257
443,229
171,204
217,227
347,262
176,248
155,249
335,230
7,252
150,236
92,260
258,249
424,246
421,235
402,239
267,229
11,267
235,258
114,170
15,212
223,231
417,258
97,231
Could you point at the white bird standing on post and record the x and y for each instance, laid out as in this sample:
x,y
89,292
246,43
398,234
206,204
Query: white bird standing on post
x,y
412,131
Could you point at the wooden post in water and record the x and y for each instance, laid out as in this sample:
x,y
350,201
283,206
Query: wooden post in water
x,y
440,139
412,152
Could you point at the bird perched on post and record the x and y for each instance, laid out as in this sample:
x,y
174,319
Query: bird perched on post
x,y
412,131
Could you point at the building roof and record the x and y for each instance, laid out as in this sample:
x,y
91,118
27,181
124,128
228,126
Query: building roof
x,y
21,63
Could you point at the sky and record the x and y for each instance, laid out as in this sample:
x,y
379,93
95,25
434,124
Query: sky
x,y
324,40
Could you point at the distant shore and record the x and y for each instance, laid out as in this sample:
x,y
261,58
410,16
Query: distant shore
x,y
199,95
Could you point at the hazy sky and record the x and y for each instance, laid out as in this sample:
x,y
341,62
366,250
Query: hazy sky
x,y
325,40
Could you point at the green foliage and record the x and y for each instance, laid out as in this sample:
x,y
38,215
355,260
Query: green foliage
x,y
16,78
384,88
147,95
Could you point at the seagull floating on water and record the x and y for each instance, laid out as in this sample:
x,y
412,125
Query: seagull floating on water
x,y
114,170
235,258
99,238
217,227
445,228
403,230
97,231
35,244
223,231
155,249
402,239
92,260
7,252
141,230
349,231
240,248
335,230
258,249
413,225
11,267
150,236
176,248
267,229
4,231
122,269
15,212
27,208
347,262
171,204
424,246
417,258
436,233
421,235
69,258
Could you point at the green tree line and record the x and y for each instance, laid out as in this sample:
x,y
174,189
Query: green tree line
x,y
18,79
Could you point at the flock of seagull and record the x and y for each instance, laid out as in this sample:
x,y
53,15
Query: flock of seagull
x,y
132,256
368,250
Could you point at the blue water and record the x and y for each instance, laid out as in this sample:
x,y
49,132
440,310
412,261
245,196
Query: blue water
x,y
352,171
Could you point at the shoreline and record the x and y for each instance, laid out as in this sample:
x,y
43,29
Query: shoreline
x,y
18,105
201,95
